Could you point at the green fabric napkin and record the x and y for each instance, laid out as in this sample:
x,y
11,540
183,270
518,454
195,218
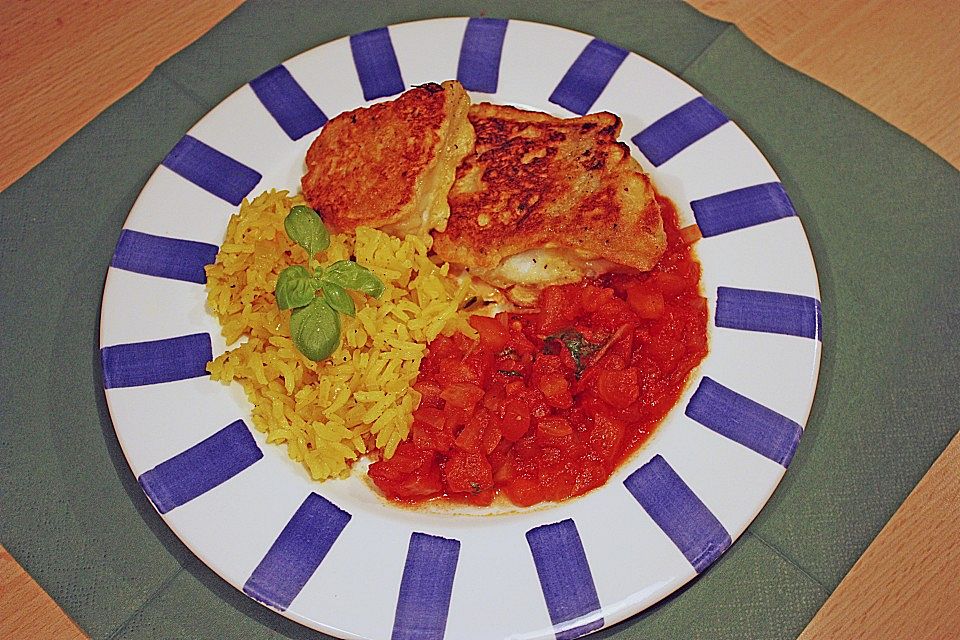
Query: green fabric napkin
x,y
880,211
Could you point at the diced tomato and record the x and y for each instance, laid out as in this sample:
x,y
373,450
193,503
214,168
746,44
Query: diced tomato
x,y
556,312
429,393
590,476
698,304
524,492
612,361
514,388
665,351
442,347
669,284
559,486
424,484
494,336
429,415
554,427
430,438
462,394
494,398
429,430
526,450
515,421
463,343
539,407
491,437
480,362
549,460
410,473
470,438
593,297
619,389
562,361
455,416
555,389
649,306
454,370
406,459
498,460
606,436
621,344
467,472
520,344
580,420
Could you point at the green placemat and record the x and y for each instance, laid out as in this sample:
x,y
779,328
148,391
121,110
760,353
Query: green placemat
x,y
880,211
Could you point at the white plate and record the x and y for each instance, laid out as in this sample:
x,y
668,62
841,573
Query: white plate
x,y
333,556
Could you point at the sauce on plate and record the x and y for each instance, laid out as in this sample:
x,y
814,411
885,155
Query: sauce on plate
x,y
551,400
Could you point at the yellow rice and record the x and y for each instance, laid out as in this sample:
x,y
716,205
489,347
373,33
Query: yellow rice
x,y
329,413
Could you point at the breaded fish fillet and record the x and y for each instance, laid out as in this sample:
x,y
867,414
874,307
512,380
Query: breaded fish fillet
x,y
546,200
391,165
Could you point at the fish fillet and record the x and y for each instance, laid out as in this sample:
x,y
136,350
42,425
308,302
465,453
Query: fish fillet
x,y
391,165
546,200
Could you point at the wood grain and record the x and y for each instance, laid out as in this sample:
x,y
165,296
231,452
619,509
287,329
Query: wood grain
x,y
26,611
63,62
907,582
899,59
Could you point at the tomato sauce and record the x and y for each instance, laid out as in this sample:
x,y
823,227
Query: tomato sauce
x,y
551,401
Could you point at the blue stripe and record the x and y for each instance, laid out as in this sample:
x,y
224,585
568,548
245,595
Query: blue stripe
x,y
742,208
376,63
742,420
565,578
163,257
678,512
588,76
211,170
479,66
425,588
768,311
297,552
288,103
677,130
139,363
201,467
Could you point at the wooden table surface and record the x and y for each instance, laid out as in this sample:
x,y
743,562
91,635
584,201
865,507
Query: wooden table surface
x,y
899,59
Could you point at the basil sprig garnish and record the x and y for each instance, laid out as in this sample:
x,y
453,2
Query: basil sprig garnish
x,y
315,321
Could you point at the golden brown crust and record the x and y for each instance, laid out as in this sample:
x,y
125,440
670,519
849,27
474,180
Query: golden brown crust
x,y
370,166
540,181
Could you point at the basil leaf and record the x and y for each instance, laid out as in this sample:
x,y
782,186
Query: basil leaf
x,y
350,275
295,288
315,329
338,298
305,227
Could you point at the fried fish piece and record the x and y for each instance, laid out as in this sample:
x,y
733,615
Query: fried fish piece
x,y
391,165
546,200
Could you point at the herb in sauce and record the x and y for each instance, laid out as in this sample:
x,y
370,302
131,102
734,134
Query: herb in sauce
x,y
579,347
